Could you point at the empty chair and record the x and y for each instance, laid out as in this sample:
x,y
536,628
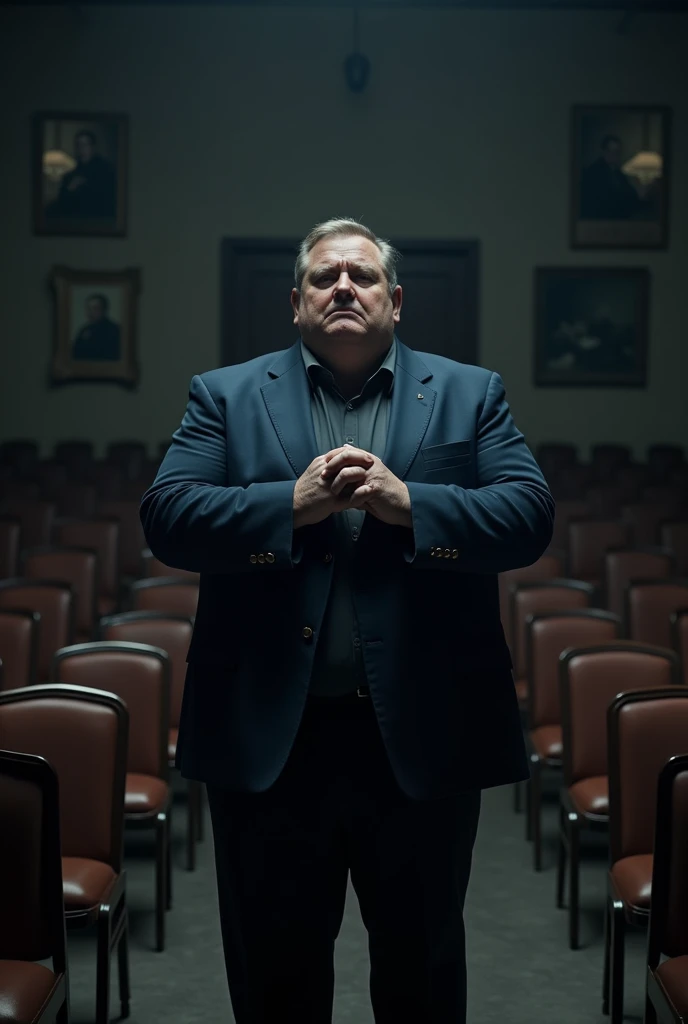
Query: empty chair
x,y
674,535
548,635
19,635
21,454
102,536
75,500
548,566
76,456
679,636
607,459
131,538
152,566
82,733
605,500
50,476
625,564
165,594
54,603
172,633
645,729
644,519
140,675
664,459
649,607
35,516
10,534
33,926
589,539
667,983
632,478
109,480
79,569
589,679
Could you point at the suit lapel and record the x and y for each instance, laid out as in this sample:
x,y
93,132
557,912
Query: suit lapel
x,y
412,405
288,401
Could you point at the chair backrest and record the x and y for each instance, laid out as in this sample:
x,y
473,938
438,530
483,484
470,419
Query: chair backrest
x,y
33,926
83,733
165,594
589,679
171,633
547,636
77,456
608,457
632,478
605,500
674,535
668,932
36,516
74,499
21,453
140,675
566,510
109,480
664,458
102,536
625,564
19,635
649,607
10,534
644,518
546,596
152,566
547,567
131,538
589,539
644,729
679,636
76,566
54,603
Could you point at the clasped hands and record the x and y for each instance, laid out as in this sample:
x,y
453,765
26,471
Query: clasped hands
x,y
349,477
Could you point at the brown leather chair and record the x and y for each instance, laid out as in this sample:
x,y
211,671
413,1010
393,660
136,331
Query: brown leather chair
x,y
152,566
131,538
79,568
674,535
632,478
10,533
649,607
19,633
102,536
605,500
645,729
83,734
679,636
169,594
172,633
644,519
140,675
589,539
109,480
54,602
669,495
37,518
33,925
589,679
547,636
74,499
549,566
667,983
621,565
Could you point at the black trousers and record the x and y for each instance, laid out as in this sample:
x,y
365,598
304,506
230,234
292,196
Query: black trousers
x,y
283,858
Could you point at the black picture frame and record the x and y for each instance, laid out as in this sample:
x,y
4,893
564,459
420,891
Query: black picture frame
x,y
80,173
591,326
95,327
610,207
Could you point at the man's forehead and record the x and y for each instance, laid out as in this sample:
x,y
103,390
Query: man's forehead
x,y
335,250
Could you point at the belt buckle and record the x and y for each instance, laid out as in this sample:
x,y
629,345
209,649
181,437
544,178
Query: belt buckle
x,y
365,693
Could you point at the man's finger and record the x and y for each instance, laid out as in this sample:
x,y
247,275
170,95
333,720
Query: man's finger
x,y
347,457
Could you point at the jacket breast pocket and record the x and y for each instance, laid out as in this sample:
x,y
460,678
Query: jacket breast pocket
x,y
438,457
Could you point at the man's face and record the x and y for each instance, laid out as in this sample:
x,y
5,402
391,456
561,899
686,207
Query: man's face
x,y
94,310
344,299
84,148
612,153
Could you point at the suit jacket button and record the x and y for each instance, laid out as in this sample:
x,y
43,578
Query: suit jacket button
x,y
447,553
455,553
307,632
327,557
261,558
270,557
252,559
432,552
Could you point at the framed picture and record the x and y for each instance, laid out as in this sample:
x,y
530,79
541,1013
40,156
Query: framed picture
x,y
80,174
620,177
95,326
591,326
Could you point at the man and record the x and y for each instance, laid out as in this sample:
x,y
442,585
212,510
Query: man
x,y
348,503
88,190
99,338
606,192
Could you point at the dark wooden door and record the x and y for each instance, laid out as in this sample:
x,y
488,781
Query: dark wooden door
x,y
439,311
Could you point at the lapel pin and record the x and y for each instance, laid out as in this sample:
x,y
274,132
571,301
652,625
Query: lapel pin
x,y
419,395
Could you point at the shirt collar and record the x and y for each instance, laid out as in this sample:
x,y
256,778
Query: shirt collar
x,y
383,376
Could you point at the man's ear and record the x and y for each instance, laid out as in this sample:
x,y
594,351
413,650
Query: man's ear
x,y
295,301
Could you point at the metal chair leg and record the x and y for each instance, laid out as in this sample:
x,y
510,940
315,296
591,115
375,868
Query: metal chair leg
x,y
123,966
160,879
616,963
574,877
168,866
103,966
191,826
561,857
536,810
607,945
200,803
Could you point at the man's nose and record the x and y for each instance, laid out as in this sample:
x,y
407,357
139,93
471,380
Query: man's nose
x,y
343,284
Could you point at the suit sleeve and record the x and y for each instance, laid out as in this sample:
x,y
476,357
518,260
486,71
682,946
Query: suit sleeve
x,y
504,523
193,519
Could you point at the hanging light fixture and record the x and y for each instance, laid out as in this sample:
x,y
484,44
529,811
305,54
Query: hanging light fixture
x,y
646,165
356,65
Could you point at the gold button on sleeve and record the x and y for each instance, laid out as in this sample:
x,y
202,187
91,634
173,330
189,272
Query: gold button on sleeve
x,y
432,552
307,632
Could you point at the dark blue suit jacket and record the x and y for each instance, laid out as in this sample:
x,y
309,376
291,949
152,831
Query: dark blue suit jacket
x,y
437,663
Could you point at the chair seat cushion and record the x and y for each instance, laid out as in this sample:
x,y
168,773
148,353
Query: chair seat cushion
x,y
145,794
632,880
673,976
25,988
85,883
172,744
547,742
591,796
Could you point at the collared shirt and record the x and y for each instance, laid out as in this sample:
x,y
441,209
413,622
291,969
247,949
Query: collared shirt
x,y
361,421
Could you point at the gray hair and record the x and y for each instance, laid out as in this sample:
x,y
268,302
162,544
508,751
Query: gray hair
x,y
343,226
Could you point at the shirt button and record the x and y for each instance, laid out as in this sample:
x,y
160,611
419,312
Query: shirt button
x,y
327,557
349,406
357,641
354,533
307,632
350,438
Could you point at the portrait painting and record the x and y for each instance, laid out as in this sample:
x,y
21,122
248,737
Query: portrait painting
x,y
591,326
620,177
80,174
95,326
